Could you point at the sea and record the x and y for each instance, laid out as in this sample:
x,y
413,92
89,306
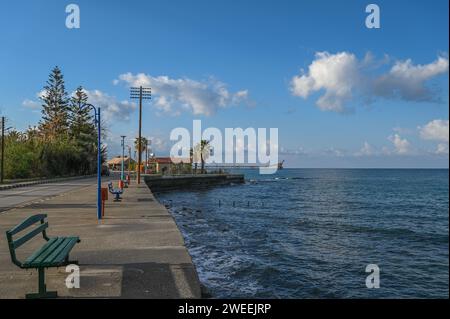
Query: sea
x,y
320,233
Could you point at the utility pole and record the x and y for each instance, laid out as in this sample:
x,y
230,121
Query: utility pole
x,y
3,151
122,177
141,94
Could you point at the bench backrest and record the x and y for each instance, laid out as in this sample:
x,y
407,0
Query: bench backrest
x,y
30,221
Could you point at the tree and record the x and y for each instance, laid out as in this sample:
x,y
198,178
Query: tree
x,y
63,144
202,150
55,100
81,120
144,142
191,156
82,130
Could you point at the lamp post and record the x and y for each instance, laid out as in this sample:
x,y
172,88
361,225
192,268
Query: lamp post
x,y
122,173
141,94
3,151
129,160
146,155
99,157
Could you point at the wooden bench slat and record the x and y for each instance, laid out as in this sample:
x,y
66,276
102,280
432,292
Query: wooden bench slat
x,y
26,223
59,255
22,240
37,253
52,257
47,252
54,253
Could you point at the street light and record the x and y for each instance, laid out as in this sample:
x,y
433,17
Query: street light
x,y
2,165
122,177
3,151
129,160
99,157
141,94
149,142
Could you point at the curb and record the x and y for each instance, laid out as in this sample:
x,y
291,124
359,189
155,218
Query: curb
x,y
45,181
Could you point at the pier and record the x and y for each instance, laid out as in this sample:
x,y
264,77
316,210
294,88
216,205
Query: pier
x,y
135,251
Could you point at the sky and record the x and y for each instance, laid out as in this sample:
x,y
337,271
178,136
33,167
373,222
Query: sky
x,y
340,94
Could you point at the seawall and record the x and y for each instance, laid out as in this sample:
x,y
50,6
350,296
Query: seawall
x,y
158,183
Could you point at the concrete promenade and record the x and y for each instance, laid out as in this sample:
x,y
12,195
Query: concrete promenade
x,y
136,251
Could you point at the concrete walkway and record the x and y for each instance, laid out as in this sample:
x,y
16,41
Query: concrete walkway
x,y
136,251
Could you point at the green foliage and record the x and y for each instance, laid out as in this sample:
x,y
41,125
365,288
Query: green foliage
x,y
81,122
64,143
20,157
144,143
201,152
55,107
82,131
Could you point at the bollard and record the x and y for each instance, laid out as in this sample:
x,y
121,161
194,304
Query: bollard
x,y
104,198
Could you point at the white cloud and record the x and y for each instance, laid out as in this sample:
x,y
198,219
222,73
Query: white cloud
x,y
442,149
240,96
297,151
407,81
176,95
401,145
338,152
342,76
337,74
158,144
366,150
436,130
111,108
31,104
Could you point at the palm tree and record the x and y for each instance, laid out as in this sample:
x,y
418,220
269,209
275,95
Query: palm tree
x,y
143,144
191,155
202,149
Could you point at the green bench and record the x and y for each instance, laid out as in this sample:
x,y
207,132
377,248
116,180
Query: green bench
x,y
54,253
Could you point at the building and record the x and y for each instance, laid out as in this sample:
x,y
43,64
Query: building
x,y
169,166
116,163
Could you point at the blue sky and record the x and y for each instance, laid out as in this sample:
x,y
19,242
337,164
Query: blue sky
x,y
365,97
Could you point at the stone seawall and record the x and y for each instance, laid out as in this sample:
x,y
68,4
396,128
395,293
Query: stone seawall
x,y
158,183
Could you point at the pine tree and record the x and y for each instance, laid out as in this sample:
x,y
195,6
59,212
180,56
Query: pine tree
x,y
81,121
82,130
55,100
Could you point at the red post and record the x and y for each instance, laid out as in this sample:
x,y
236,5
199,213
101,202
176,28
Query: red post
x,y
104,198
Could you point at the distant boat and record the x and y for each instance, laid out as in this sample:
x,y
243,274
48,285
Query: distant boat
x,y
280,165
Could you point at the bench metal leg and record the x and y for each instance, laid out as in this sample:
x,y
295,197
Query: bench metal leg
x,y
43,293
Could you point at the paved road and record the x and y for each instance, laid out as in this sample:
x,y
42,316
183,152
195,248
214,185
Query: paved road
x,y
17,197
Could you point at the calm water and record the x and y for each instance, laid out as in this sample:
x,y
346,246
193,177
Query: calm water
x,y
310,233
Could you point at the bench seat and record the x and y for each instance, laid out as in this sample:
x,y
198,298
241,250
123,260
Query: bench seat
x,y
53,254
